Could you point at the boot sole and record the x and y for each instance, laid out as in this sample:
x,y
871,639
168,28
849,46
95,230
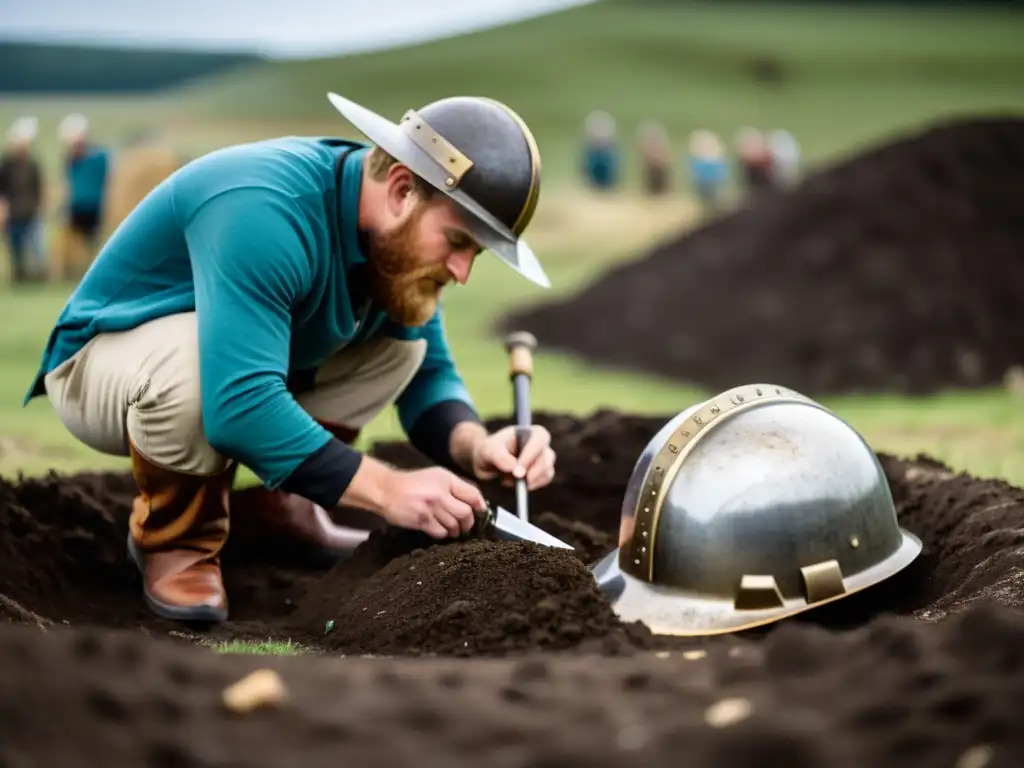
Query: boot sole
x,y
200,613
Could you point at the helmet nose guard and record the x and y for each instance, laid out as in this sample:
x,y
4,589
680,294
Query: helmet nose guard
x,y
480,154
753,506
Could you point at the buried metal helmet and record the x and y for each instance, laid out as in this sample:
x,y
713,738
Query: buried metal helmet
x,y
479,153
753,506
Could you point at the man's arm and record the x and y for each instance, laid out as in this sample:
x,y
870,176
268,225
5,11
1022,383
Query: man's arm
x,y
250,265
436,410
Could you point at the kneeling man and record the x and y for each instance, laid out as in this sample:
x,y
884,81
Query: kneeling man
x,y
264,303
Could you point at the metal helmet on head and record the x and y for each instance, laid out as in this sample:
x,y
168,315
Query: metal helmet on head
x,y
479,153
753,506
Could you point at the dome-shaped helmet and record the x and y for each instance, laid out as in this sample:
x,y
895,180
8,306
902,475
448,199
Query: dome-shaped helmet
x,y
755,505
479,153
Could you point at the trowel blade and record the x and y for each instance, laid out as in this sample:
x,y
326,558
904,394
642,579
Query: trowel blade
x,y
511,528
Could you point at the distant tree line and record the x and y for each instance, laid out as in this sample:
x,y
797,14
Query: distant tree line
x,y
39,68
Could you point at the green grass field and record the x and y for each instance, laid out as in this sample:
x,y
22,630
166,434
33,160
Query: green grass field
x,y
849,78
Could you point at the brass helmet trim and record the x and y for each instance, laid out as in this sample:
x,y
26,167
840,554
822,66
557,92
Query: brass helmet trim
x,y
636,556
454,163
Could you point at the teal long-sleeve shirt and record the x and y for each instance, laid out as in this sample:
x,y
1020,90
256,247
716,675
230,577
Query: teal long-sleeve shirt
x,y
261,241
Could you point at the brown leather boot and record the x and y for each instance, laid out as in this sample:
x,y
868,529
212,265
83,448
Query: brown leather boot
x,y
178,526
260,513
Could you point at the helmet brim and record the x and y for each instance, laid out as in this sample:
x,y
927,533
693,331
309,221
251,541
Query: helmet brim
x,y
488,231
668,611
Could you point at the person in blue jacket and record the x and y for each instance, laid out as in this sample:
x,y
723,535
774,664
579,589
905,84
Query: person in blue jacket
x,y
266,301
86,168
601,156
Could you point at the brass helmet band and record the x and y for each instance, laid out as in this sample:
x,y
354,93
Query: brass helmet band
x,y
637,534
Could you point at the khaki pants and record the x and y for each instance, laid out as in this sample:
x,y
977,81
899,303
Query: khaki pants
x,y
142,386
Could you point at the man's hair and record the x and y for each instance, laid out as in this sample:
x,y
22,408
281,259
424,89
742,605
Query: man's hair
x,y
379,162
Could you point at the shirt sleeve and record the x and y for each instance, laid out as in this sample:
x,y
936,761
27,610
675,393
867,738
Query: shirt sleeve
x,y
436,400
251,264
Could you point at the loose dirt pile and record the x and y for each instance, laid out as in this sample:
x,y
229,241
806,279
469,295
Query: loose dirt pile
x,y
566,683
898,270
466,599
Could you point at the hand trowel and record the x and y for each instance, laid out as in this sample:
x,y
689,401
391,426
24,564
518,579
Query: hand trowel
x,y
508,527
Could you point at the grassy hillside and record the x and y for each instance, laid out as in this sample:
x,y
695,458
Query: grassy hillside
x,y
837,76
43,68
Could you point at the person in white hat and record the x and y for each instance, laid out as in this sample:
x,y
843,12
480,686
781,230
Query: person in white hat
x,y
86,169
709,170
263,304
21,199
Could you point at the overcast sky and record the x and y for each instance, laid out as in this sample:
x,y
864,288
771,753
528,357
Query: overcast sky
x,y
274,27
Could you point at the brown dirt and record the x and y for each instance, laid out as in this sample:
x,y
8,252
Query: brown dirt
x,y
913,672
905,259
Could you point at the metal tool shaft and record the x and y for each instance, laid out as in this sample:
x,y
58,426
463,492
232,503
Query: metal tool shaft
x,y
520,347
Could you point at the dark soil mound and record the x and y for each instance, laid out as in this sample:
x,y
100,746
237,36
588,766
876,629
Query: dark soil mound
x,y
898,270
62,556
464,599
897,693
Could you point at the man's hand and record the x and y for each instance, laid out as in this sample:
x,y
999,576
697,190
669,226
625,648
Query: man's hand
x,y
435,501
494,455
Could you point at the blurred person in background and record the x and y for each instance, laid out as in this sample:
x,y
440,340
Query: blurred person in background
x,y
601,154
86,167
755,159
709,168
21,197
262,306
656,158
785,158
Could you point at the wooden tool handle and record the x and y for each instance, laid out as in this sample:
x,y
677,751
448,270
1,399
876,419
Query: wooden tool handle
x,y
520,346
